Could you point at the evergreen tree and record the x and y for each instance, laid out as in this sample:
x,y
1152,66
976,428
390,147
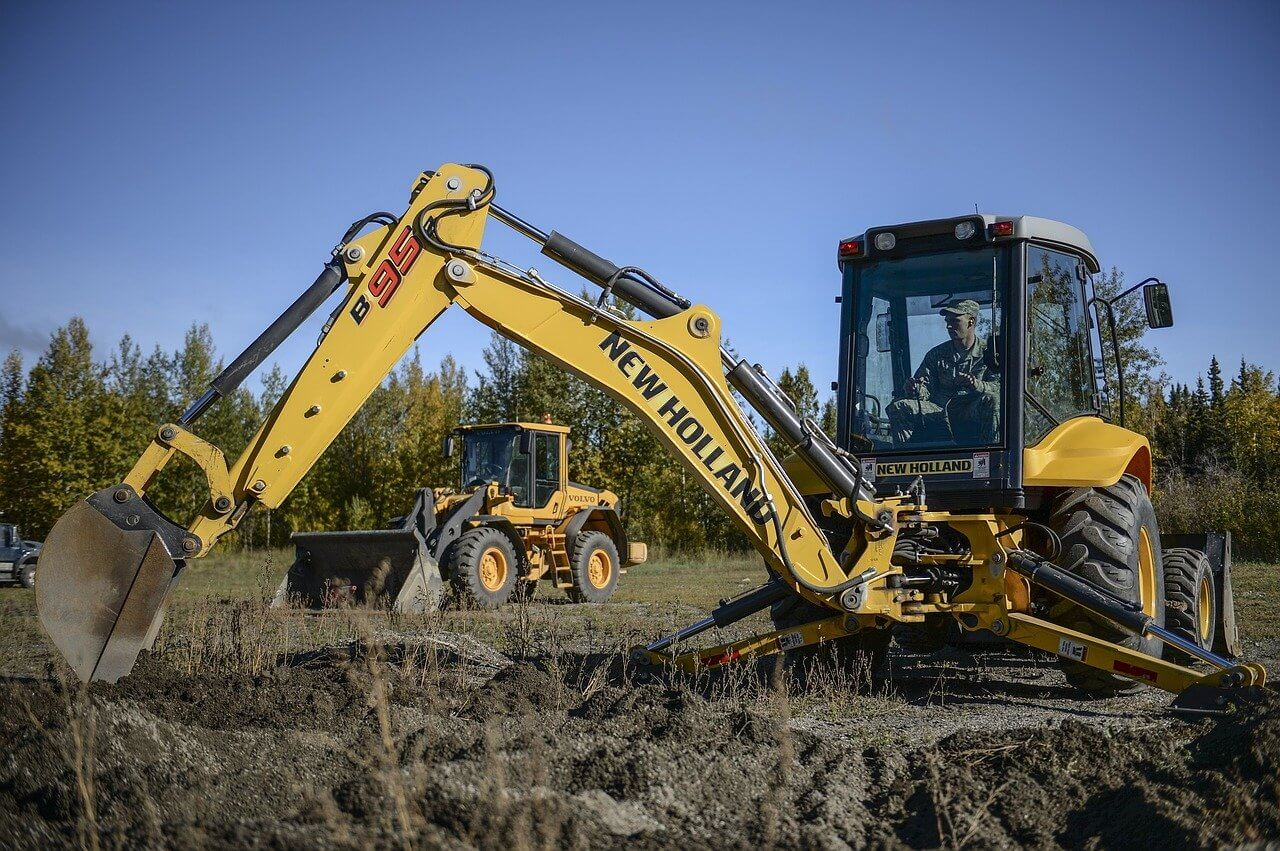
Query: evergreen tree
x,y
60,446
11,387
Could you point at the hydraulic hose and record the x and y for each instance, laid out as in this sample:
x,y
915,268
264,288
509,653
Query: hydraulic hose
x,y
269,340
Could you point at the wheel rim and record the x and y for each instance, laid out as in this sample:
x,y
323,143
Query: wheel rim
x,y
1205,614
599,569
1146,573
493,569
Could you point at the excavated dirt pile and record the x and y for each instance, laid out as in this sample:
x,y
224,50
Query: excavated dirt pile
x,y
354,748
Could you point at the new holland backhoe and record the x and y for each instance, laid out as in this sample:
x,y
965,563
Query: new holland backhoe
x,y
514,521
980,487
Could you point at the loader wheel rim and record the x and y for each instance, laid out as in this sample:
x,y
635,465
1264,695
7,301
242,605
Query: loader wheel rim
x,y
1204,613
493,569
1146,573
599,569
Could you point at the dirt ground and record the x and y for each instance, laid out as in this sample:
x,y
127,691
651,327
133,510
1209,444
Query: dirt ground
x,y
527,729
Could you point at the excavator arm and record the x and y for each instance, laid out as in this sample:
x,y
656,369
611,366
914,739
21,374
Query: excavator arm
x,y
110,563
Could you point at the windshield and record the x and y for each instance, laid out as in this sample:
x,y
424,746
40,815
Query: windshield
x,y
928,350
487,456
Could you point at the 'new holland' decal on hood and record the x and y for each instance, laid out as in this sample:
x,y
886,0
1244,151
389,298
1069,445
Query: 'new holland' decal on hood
x,y
726,471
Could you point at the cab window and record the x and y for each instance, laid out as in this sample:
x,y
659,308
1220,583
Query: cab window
x,y
927,337
1059,381
547,452
518,479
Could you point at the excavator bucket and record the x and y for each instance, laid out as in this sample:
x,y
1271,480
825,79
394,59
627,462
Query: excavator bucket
x,y
389,568
105,573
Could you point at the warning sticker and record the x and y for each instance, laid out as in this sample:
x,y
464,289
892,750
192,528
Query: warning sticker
x,y
1135,671
790,640
982,465
1069,649
868,469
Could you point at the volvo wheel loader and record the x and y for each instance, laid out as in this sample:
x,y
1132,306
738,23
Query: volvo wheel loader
x,y
514,521
973,484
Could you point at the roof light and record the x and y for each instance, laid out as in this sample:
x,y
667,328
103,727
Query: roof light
x,y
964,230
885,241
1001,229
851,248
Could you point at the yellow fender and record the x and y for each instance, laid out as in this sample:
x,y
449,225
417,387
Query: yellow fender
x,y
1086,452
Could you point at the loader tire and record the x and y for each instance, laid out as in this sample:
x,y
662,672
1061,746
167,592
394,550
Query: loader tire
x,y
864,657
482,568
1191,600
1110,538
595,564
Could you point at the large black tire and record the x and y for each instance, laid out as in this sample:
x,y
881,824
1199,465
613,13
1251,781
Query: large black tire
x,y
27,575
594,560
1109,538
483,568
1191,600
865,656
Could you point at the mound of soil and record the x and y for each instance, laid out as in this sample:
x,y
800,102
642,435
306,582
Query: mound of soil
x,y
350,750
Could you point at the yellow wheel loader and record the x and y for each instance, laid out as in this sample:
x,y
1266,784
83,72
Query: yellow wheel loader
x,y
977,484
515,520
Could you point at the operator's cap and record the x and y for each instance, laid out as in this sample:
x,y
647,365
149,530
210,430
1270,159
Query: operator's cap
x,y
968,307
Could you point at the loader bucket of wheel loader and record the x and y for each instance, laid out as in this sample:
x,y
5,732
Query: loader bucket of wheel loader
x,y
388,568
105,572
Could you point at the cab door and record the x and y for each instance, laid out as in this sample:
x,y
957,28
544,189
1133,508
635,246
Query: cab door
x,y
8,547
547,495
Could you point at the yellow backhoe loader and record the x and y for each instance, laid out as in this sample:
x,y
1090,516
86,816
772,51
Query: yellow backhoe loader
x,y
1041,530
515,520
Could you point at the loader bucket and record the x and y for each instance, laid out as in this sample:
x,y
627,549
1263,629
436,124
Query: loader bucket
x,y
105,572
384,568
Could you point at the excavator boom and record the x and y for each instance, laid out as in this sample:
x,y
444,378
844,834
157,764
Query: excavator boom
x,y
670,370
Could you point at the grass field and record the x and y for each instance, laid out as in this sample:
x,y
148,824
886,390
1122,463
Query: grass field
x,y
225,590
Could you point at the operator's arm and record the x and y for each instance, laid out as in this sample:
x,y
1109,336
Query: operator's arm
x,y
926,377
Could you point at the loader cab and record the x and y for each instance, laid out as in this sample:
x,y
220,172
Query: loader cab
x,y
527,460
964,342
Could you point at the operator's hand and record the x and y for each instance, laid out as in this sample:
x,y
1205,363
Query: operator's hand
x,y
967,381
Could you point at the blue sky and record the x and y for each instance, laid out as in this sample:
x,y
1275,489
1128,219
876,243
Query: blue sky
x,y
164,163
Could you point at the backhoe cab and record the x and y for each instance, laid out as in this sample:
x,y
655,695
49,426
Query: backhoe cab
x,y
968,368
965,341
515,520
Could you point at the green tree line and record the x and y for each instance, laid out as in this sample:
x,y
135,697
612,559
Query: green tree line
x,y
75,422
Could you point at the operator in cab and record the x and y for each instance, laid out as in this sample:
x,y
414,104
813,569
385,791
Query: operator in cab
x,y
955,394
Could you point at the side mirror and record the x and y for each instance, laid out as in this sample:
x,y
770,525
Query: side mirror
x,y
884,336
1159,308
448,446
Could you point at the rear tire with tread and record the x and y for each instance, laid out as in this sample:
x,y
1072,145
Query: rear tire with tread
x,y
1101,531
1188,582
595,565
